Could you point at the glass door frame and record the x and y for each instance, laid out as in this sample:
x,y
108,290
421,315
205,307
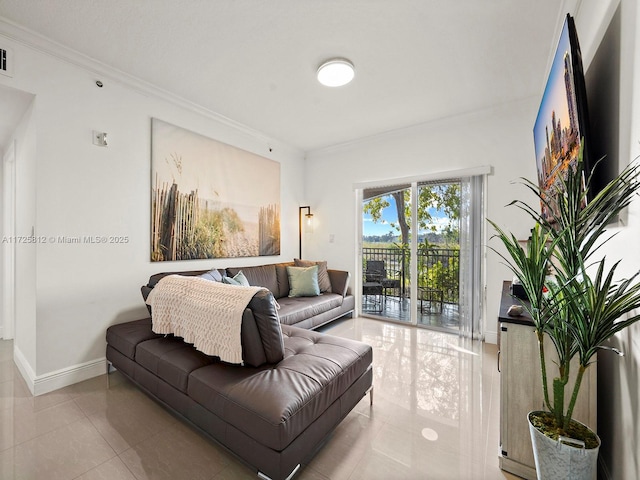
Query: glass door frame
x,y
413,245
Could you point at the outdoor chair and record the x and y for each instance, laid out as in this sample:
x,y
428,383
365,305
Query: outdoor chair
x,y
376,271
372,295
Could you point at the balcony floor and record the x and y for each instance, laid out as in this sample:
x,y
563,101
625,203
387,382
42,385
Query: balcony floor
x,y
398,309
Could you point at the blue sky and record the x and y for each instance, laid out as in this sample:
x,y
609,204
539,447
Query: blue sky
x,y
389,215
554,98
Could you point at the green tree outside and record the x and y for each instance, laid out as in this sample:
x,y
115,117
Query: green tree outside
x,y
443,197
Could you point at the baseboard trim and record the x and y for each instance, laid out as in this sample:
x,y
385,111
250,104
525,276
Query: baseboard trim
x,y
68,376
48,382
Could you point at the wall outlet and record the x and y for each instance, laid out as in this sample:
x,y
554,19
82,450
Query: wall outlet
x,y
100,139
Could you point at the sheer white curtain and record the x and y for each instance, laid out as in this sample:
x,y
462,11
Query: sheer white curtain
x,y
471,254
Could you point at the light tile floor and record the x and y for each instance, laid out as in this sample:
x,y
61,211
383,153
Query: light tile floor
x,y
435,416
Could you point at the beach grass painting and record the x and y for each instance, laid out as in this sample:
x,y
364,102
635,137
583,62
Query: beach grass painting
x,y
210,199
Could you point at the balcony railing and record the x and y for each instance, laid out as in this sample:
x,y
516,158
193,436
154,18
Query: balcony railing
x,y
438,269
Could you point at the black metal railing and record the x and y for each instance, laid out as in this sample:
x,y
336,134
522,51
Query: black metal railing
x,y
438,268
396,262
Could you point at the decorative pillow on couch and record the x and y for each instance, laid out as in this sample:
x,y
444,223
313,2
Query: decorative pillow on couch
x,y
212,275
323,276
303,281
237,279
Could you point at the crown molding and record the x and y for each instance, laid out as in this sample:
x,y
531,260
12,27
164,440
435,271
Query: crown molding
x,y
45,45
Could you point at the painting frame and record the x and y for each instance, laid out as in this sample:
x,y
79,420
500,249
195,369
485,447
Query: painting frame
x,y
210,199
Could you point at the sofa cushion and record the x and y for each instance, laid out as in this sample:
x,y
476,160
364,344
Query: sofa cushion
x,y
295,309
260,276
339,281
124,337
273,405
171,359
324,282
283,279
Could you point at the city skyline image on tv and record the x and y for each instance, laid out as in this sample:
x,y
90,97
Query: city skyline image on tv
x,y
557,131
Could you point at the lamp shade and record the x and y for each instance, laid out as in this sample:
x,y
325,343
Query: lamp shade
x,y
336,72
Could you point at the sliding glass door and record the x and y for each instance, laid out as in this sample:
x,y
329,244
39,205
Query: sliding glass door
x,y
386,259
438,254
431,278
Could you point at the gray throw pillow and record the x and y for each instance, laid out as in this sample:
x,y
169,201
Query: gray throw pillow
x,y
237,279
303,281
212,275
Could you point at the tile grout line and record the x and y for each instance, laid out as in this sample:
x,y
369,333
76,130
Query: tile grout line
x,y
116,454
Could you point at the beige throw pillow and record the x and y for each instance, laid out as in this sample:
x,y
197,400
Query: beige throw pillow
x,y
323,276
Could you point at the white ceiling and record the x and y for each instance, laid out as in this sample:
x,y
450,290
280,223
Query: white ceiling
x,y
254,61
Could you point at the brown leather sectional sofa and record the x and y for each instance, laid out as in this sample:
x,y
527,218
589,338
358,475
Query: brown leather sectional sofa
x,y
274,411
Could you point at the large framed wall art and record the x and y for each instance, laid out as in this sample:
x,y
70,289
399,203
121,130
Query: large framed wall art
x,y
210,199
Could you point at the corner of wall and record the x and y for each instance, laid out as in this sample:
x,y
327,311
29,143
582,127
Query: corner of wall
x,y
25,369
41,384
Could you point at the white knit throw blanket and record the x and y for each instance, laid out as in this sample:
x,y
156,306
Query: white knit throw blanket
x,y
205,313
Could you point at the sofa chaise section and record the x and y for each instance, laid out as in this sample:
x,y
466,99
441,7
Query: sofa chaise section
x,y
273,416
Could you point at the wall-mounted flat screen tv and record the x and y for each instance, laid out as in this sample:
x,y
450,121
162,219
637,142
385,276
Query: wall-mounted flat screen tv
x,y
561,126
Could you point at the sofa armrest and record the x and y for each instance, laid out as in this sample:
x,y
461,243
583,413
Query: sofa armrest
x,y
339,281
145,289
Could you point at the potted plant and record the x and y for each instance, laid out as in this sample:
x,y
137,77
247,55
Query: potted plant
x,y
576,299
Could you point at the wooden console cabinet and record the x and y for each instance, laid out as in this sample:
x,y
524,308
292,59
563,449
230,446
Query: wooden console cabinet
x,y
521,388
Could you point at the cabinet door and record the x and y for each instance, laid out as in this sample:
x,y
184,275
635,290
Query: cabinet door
x,y
519,385
521,392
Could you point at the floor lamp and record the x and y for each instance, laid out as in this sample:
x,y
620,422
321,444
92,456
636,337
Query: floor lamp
x,y
309,216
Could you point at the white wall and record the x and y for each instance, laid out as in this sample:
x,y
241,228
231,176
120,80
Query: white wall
x,y
619,377
4,155
501,137
70,293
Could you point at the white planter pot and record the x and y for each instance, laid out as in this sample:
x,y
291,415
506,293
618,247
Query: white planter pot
x,y
555,459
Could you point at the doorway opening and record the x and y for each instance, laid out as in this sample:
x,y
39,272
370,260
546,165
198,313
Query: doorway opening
x,y
15,105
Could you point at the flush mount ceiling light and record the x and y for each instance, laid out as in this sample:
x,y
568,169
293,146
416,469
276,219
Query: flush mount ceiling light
x,y
336,72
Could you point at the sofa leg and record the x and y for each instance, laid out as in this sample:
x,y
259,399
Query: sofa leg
x,y
262,476
370,392
110,368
